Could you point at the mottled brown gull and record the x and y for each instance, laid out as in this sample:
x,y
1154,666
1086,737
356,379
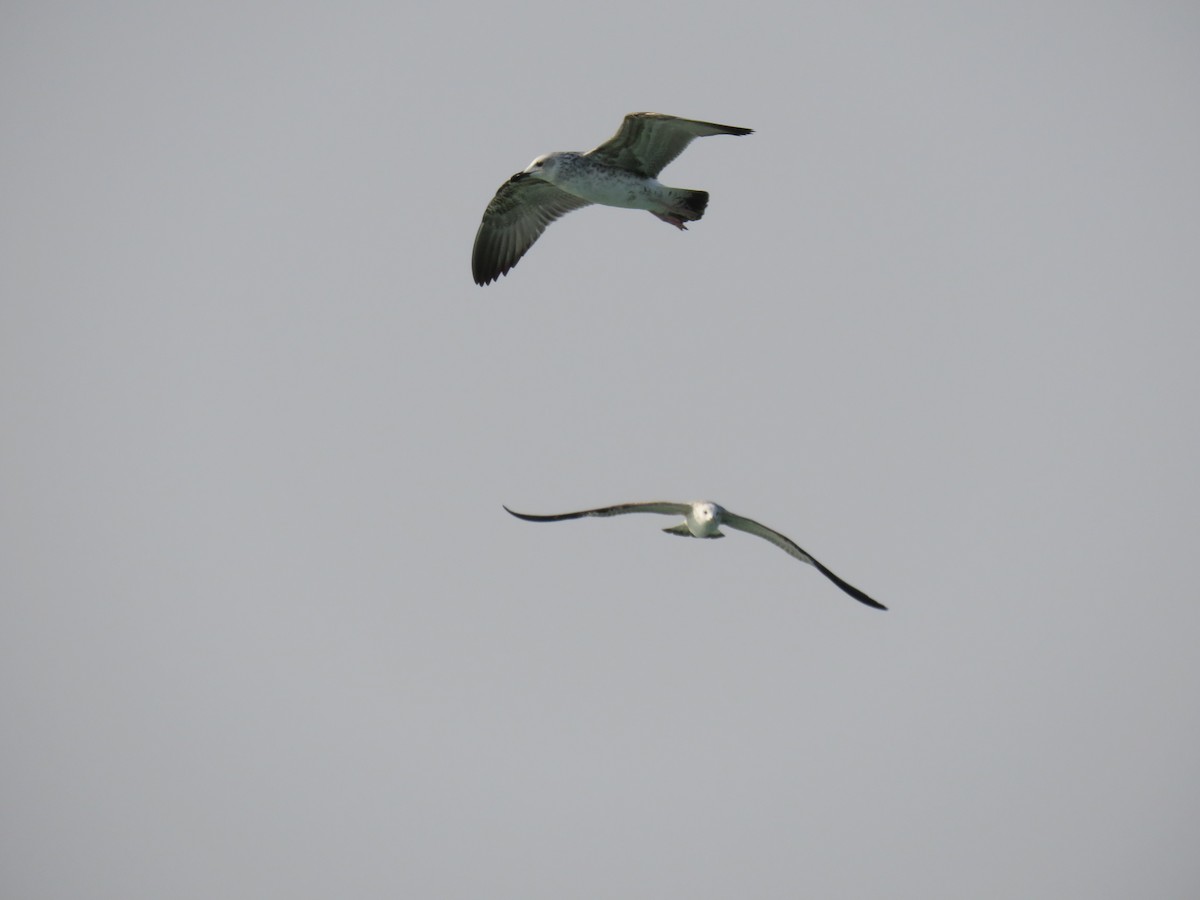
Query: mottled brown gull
x,y
623,172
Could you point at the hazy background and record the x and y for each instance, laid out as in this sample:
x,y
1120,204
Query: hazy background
x,y
265,629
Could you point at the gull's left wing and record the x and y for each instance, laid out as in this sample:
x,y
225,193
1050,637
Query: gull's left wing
x,y
741,523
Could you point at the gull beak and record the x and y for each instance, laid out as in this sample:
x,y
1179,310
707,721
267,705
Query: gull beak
x,y
520,176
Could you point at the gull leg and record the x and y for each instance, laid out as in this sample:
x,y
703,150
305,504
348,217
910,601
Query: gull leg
x,y
671,219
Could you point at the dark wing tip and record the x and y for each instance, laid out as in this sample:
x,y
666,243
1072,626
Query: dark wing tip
x,y
849,588
555,518
484,274
487,268
484,266
488,260
863,598
735,130
485,278
666,117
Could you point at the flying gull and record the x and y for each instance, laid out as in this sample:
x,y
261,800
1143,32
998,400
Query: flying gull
x,y
703,519
623,171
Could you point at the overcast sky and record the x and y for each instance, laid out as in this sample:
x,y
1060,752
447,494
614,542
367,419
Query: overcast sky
x,y
265,630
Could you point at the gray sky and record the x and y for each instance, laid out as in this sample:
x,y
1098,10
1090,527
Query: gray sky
x,y
266,630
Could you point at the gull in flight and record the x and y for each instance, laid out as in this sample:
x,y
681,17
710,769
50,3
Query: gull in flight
x,y
623,171
704,519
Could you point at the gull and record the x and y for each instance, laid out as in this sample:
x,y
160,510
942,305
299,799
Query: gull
x,y
623,171
703,519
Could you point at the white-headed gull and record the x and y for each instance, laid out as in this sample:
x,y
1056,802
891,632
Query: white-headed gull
x,y
703,519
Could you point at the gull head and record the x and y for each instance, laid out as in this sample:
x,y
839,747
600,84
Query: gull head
x,y
704,520
546,167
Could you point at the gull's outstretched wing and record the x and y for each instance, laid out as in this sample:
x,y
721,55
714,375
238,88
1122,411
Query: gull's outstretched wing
x,y
741,523
646,142
663,508
515,218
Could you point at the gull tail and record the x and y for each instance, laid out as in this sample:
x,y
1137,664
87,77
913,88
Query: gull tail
x,y
683,531
683,206
689,205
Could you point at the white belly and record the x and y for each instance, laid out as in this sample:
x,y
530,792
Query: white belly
x,y
615,187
